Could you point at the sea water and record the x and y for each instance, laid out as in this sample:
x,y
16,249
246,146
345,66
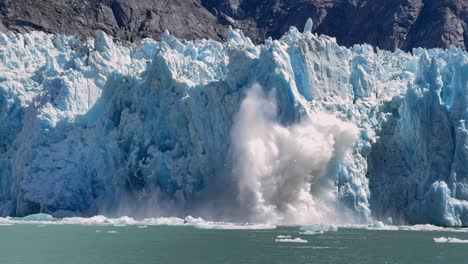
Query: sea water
x,y
119,244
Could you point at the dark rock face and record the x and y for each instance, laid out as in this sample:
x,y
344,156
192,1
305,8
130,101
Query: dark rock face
x,y
125,19
388,24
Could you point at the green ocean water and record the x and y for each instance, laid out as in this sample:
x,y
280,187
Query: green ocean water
x,y
83,244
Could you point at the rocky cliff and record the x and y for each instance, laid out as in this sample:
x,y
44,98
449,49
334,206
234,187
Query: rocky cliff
x,y
402,24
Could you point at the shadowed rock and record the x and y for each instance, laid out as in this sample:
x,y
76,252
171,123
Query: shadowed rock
x,y
403,24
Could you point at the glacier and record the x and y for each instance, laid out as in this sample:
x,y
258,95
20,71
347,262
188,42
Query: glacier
x,y
294,131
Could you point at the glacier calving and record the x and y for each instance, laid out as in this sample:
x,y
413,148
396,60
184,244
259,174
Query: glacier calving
x,y
297,130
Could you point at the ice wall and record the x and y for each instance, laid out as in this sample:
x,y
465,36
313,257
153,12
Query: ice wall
x,y
418,167
162,128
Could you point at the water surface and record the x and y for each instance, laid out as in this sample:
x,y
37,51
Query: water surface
x,y
80,244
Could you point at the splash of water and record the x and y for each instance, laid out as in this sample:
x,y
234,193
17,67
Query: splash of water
x,y
283,171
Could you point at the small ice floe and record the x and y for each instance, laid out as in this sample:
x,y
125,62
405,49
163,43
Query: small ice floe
x,y
288,239
200,223
428,227
311,232
317,229
36,218
142,226
112,232
450,240
381,226
98,231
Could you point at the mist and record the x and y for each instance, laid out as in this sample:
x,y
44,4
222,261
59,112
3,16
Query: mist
x,y
283,172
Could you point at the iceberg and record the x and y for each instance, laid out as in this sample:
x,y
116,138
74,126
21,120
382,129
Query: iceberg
x,y
295,131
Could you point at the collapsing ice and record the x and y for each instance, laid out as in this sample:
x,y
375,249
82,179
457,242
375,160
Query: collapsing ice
x,y
298,130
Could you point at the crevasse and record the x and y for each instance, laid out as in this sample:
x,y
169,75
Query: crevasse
x,y
173,128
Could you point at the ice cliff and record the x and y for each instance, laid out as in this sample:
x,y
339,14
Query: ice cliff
x,y
298,130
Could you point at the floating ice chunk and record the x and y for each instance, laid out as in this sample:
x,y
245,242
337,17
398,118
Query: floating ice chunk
x,y
30,219
112,232
122,221
450,240
203,224
317,229
125,220
95,220
100,220
428,227
378,225
170,221
310,232
288,239
36,218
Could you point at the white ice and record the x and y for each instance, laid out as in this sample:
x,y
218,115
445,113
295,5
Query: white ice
x,y
294,131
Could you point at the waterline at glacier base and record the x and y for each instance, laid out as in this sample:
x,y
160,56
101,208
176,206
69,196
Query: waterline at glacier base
x,y
44,239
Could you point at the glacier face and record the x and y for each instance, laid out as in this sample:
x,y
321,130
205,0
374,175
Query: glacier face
x,y
418,167
298,130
